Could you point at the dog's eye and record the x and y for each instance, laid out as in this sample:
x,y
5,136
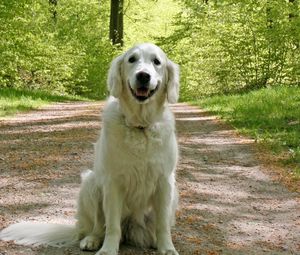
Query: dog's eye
x,y
156,62
132,59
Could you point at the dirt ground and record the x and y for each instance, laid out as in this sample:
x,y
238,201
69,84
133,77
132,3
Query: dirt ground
x,y
228,202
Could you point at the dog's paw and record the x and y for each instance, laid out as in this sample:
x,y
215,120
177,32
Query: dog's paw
x,y
106,252
90,243
170,252
166,246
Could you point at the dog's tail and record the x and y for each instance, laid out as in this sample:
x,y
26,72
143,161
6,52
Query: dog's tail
x,y
31,233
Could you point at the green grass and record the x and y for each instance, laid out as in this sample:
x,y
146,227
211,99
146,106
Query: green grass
x,y
271,116
13,101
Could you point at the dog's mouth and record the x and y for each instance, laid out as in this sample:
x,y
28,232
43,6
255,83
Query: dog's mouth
x,y
142,94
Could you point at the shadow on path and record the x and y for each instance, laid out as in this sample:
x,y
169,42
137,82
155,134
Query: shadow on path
x,y
227,204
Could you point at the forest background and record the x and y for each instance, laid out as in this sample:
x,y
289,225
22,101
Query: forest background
x,y
222,46
239,59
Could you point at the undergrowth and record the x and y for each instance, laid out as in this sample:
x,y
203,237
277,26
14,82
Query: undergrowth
x,y
271,116
13,101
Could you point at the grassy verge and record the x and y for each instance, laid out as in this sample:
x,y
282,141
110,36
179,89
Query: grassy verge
x,y
13,101
271,116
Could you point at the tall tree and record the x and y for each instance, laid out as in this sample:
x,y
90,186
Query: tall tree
x,y
53,5
116,22
294,7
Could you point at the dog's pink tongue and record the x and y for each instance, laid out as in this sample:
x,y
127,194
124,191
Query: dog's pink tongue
x,y
142,92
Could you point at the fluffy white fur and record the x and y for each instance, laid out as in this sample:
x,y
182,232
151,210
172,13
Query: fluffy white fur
x,y
130,195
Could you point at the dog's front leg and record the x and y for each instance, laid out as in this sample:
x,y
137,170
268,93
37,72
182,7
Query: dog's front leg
x,y
112,207
163,205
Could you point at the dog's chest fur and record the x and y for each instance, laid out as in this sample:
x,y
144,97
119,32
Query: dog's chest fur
x,y
145,166
143,140
136,158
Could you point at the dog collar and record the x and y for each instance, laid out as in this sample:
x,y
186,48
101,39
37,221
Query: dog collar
x,y
140,127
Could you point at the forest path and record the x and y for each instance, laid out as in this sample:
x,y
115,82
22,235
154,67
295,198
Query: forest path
x,y
228,204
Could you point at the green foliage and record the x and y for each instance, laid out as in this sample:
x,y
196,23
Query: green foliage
x,y
222,46
67,53
147,20
18,100
65,47
232,46
270,115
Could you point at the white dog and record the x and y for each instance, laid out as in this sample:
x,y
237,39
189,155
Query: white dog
x,y
130,195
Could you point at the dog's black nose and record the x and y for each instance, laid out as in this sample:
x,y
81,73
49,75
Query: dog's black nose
x,y
143,78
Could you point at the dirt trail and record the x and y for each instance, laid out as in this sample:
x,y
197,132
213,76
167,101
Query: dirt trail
x,y
228,204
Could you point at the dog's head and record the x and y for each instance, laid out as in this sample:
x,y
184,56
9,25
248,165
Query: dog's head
x,y
143,73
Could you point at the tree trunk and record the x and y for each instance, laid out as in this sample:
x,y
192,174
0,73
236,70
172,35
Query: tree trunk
x,y
116,22
294,9
269,15
53,4
293,16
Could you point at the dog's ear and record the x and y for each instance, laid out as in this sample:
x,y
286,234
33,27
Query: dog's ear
x,y
173,82
114,79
